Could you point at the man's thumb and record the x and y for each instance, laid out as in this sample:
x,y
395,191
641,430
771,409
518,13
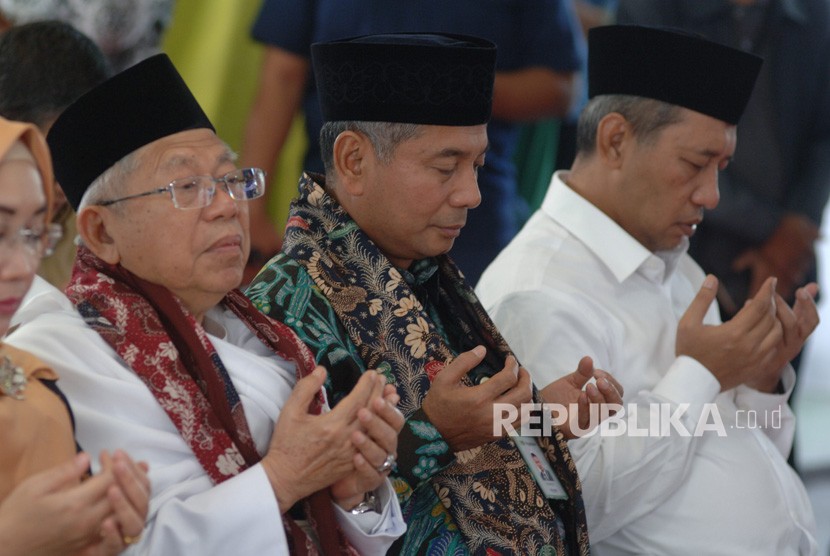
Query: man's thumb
x,y
700,304
461,365
584,372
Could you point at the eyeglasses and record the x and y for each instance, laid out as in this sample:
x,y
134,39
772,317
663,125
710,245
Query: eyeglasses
x,y
198,191
36,243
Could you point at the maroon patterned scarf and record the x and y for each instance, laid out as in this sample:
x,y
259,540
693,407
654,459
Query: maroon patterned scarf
x,y
169,350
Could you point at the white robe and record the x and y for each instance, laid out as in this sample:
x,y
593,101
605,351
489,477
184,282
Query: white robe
x,y
573,283
113,409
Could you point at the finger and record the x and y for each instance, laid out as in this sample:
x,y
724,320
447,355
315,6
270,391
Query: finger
x,y
133,484
805,310
599,374
359,397
367,477
130,519
381,432
379,385
584,411
59,477
390,394
609,392
811,290
461,365
772,341
521,392
374,453
304,391
139,469
594,395
502,382
760,307
389,413
583,373
702,301
111,538
786,316
106,461
91,499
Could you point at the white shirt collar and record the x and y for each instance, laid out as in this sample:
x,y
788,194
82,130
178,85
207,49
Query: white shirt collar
x,y
616,248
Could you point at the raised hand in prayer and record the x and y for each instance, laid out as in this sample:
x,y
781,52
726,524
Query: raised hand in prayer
x,y
574,389
743,348
464,414
375,442
54,513
311,452
797,323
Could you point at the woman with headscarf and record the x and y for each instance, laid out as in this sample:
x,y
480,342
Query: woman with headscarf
x,y
46,504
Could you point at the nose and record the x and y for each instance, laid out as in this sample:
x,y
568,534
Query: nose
x,y
706,194
16,262
222,204
466,193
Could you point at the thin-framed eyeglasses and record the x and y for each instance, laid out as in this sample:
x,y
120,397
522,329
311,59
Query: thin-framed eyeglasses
x,y
196,192
36,243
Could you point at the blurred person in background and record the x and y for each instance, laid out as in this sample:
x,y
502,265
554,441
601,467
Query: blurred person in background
x,y
44,67
540,53
126,31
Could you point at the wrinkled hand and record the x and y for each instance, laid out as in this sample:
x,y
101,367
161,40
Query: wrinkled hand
x,y
568,391
311,452
129,498
464,414
377,438
787,254
733,351
797,323
53,512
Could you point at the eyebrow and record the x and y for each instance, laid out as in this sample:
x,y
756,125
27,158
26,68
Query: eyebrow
x,y
453,153
227,155
10,211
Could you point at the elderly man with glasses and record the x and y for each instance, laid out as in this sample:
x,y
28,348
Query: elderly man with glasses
x,y
160,354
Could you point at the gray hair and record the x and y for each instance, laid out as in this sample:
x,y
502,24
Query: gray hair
x,y
384,137
110,184
646,116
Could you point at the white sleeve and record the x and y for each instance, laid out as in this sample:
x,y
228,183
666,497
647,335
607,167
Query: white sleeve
x,y
778,422
370,532
550,335
238,516
113,409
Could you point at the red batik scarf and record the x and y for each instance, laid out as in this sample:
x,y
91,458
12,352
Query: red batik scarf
x,y
163,344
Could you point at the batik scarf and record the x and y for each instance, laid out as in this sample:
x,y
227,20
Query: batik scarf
x,y
488,491
171,353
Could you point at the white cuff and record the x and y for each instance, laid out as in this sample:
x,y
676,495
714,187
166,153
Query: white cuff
x,y
688,381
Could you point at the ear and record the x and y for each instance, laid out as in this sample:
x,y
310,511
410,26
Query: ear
x,y
351,150
92,223
613,135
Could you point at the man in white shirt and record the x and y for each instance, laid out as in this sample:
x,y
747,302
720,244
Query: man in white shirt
x,y
159,353
697,464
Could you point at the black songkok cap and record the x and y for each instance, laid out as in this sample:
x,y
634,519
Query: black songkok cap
x,y
672,66
142,104
416,78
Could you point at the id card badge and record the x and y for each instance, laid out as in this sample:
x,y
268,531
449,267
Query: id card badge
x,y
540,467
